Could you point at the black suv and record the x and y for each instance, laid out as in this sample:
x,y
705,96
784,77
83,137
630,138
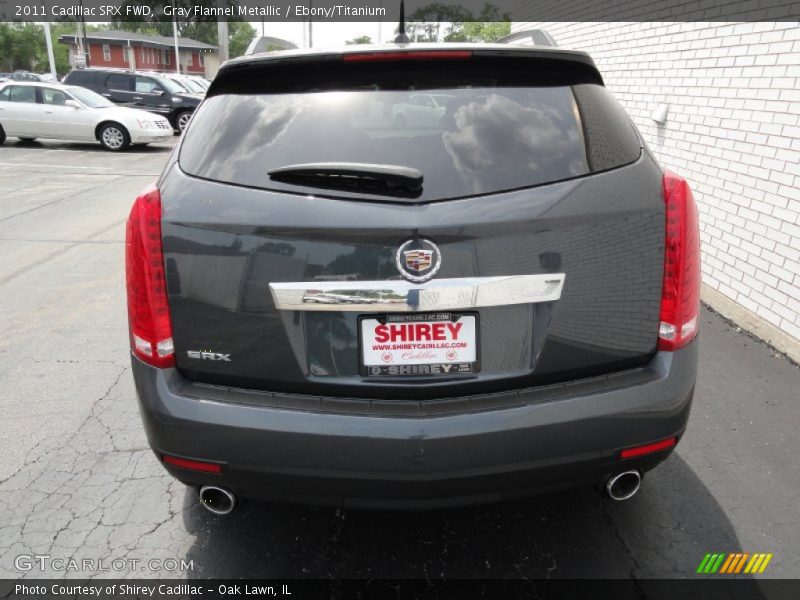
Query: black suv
x,y
146,91
498,294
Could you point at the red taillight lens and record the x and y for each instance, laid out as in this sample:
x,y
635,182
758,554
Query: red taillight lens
x,y
409,55
648,448
192,465
148,312
680,295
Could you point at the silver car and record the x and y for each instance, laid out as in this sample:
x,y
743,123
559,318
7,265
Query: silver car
x,y
53,111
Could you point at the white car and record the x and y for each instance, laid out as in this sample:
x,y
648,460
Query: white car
x,y
55,111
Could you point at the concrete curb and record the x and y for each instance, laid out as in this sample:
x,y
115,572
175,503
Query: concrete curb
x,y
751,323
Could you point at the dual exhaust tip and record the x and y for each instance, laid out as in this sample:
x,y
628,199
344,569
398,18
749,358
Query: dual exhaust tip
x,y
217,500
619,487
623,486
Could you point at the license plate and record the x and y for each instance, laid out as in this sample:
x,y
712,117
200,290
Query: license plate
x,y
413,345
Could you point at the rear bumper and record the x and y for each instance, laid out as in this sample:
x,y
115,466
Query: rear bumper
x,y
551,438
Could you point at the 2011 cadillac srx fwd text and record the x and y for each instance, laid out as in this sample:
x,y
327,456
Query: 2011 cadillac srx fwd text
x,y
412,276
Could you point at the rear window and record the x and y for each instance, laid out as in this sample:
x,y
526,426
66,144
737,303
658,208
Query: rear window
x,y
475,130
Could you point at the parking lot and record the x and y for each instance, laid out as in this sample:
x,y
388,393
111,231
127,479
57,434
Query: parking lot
x,y
77,478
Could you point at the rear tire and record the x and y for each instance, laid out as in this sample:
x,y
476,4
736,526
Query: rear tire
x,y
2,135
114,137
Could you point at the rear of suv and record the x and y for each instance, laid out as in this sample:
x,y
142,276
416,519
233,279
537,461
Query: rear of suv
x,y
331,305
145,91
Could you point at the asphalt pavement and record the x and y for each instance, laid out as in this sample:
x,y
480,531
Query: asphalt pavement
x,y
77,479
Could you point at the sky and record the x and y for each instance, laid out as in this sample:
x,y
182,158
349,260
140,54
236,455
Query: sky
x,y
327,34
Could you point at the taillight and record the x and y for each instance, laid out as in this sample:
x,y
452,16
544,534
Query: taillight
x,y
408,55
192,465
648,448
680,295
148,312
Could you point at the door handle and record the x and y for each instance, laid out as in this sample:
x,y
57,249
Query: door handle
x,y
137,97
49,112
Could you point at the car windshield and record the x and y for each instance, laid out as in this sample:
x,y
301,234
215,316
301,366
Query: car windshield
x,y
89,98
169,85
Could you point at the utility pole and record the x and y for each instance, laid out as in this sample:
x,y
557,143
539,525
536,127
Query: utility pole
x,y
48,40
86,58
175,37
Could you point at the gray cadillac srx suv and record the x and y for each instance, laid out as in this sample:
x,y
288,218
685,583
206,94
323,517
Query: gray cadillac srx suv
x,y
412,276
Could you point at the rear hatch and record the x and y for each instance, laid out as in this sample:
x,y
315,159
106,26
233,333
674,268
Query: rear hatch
x,y
309,191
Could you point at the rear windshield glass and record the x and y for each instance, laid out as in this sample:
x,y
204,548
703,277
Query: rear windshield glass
x,y
478,136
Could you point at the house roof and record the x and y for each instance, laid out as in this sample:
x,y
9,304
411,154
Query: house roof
x,y
116,36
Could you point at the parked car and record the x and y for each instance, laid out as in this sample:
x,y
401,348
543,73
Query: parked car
x,y
331,308
201,81
54,111
189,84
420,110
145,91
24,76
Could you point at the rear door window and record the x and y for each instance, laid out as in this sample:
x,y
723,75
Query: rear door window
x,y
473,134
19,93
120,82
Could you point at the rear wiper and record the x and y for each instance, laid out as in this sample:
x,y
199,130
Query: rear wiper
x,y
389,180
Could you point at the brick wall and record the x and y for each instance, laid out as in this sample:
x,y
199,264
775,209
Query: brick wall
x,y
733,92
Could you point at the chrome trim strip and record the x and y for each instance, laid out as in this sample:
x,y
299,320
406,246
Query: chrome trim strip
x,y
404,296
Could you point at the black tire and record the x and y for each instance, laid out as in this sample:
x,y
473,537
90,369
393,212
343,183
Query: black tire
x,y
182,120
27,140
2,135
114,137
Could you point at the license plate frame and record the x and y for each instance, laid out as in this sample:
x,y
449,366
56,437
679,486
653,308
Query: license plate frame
x,y
426,370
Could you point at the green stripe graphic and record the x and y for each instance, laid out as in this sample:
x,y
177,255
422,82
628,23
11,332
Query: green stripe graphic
x,y
701,568
718,564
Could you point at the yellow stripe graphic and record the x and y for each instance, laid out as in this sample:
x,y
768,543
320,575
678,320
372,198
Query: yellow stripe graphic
x,y
727,564
753,562
765,563
741,563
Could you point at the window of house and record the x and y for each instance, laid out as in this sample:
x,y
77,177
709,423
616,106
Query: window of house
x,y
126,54
167,58
106,52
201,59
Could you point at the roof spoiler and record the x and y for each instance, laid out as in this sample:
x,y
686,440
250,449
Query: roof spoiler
x,y
537,37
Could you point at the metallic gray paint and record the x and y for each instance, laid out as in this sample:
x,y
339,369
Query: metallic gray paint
x,y
225,244
546,441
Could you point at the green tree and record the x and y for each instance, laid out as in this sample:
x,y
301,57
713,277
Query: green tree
x,y
240,34
437,22
21,45
362,39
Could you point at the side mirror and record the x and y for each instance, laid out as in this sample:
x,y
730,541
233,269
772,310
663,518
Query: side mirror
x,y
72,104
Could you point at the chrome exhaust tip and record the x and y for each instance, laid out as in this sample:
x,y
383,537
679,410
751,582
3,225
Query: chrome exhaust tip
x,y
217,500
623,486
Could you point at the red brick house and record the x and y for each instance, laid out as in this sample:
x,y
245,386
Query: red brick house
x,y
128,50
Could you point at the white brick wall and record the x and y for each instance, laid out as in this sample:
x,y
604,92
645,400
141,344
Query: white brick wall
x,y
733,131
